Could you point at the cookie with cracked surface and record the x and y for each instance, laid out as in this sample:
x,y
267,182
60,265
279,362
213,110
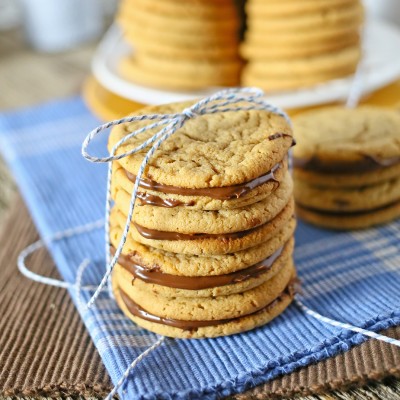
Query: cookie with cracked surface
x,y
215,150
358,198
165,285
228,197
341,140
195,318
209,244
176,264
349,221
222,74
185,330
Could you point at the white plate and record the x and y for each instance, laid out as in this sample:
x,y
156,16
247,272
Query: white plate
x,y
381,66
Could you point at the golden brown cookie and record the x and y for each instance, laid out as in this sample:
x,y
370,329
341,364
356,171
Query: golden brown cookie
x,y
357,198
189,51
210,74
347,180
184,220
333,17
340,221
228,197
341,140
222,328
211,245
346,59
239,312
214,150
292,7
184,9
272,51
274,84
196,24
197,265
165,285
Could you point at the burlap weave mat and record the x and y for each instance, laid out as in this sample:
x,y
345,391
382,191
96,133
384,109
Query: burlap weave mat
x,y
45,349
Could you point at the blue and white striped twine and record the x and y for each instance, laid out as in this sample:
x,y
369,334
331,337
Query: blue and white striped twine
x,y
220,102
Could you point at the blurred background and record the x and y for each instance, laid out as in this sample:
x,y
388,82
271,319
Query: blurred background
x,y
50,50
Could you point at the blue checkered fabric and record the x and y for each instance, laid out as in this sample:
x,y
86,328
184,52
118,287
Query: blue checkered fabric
x,y
352,277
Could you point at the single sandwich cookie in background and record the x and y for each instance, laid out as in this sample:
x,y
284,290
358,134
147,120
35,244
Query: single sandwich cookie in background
x,y
346,166
348,199
342,140
349,221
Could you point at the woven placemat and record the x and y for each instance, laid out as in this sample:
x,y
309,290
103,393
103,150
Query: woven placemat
x,y
45,349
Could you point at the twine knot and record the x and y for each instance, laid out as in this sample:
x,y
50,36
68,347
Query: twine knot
x,y
190,113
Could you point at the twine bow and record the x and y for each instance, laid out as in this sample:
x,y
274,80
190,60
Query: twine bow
x,y
220,102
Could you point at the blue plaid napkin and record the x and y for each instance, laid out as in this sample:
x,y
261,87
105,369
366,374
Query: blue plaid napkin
x,y
351,277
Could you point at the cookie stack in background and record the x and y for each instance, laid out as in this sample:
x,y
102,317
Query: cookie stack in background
x,y
209,251
182,45
347,166
290,44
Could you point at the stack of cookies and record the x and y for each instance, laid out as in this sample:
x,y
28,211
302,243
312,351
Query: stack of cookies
x,y
182,45
347,166
290,44
209,251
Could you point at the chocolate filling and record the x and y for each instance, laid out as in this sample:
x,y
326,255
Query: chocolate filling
x,y
164,235
367,164
138,311
344,214
197,282
219,193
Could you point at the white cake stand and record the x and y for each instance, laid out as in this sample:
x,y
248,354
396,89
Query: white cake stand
x,y
381,66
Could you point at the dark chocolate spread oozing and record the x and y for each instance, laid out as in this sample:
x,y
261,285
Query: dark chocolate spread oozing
x,y
155,276
138,311
219,193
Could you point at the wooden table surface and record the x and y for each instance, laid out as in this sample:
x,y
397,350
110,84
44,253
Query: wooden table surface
x,y
28,78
